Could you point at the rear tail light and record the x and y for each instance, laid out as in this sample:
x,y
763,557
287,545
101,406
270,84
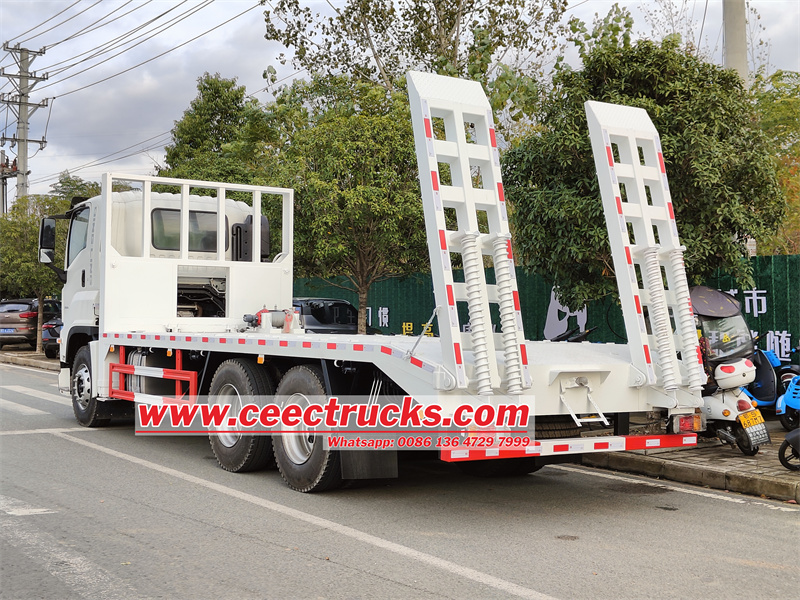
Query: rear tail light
x,y
28,315
743,405
690,423
48,326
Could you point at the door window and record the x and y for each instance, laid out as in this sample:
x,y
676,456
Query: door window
x,y
78,230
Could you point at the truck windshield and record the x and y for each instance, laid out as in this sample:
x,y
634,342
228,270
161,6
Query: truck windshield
x,y
728,337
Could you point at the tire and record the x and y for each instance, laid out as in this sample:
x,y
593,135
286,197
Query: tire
x,y
89,412
50,352
556,426
789,457
743,442
500,467
790,419
234,381
303,461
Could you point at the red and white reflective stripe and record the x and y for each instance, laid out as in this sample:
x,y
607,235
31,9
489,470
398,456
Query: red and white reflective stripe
x,y
461,376
673,224
610,156
501,196
661,165
622,223
493,138
631,268
557,447
523,355
426,115
640,314
437,197
443,247
651,374
451,305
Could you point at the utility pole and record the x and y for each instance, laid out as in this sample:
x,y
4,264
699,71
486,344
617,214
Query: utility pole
x,y
23,82
734,20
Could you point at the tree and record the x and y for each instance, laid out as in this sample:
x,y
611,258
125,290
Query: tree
x,y
777,99
357,200
21,274
722,176
503,44
213,119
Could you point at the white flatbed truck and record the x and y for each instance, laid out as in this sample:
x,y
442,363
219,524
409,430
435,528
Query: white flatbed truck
x,y
179,293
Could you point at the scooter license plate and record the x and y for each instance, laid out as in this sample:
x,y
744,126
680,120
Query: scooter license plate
x,y
751,419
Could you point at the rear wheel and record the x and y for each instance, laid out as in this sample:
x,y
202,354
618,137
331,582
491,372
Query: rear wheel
x,y
51,352
304,462
743,441
89,412
239,382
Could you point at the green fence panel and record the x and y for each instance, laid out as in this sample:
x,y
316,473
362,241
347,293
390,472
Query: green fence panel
x,y
402,306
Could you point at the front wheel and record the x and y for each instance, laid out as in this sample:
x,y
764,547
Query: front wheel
x,y
743,441
304,462
89,412
789,457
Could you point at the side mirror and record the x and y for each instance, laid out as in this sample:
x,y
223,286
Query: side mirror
x,y
47,246
46,257
47,237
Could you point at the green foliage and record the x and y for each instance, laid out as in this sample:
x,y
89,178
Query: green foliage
x,y
778,105
354,171
722,177
213,119
21,274
504,44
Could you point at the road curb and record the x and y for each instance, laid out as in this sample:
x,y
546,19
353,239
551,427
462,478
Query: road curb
x,y
730,480
30,361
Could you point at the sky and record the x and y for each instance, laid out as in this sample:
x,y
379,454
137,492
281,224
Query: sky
x,y
122,124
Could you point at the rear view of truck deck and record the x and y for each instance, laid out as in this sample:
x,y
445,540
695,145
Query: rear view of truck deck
x,y
183,299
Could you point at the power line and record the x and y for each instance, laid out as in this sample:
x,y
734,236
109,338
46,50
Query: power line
x,y
62,22
102,160
91,27
45,21
159,55
147,35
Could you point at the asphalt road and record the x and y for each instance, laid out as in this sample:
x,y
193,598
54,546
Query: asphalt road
x,y
105,514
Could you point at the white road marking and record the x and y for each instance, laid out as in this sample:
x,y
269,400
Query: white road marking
x,y
57,398
83,576
31,369
18,508
366,538
20,408
46,430
675,488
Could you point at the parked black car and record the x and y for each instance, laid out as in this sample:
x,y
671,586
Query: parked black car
x,y
51,331
326,315
19,319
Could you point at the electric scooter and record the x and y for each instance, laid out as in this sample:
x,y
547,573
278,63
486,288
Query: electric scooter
x,y
727,348
789,452
772,382
787,407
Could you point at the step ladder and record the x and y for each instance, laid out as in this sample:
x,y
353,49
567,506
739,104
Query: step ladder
x,y
453,126
648,257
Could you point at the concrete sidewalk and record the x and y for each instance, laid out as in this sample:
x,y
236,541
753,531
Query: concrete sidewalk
x,y
710,463
714,465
